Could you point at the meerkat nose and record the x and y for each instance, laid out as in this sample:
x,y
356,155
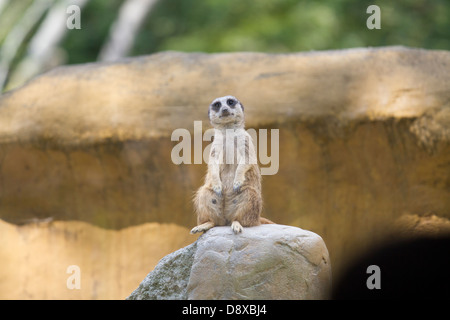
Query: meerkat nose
x,y
225,111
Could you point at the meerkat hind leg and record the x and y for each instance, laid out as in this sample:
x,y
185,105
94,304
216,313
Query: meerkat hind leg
x,y
202,227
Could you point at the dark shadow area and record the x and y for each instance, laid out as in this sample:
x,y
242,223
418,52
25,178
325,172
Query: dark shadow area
x,y
408,269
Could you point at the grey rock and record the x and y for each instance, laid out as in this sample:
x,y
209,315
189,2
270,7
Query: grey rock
x,y
169,279
264,262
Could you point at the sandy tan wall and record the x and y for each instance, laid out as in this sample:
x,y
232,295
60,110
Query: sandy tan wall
x,y
37,258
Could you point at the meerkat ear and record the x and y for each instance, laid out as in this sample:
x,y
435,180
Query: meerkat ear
x,y
242,106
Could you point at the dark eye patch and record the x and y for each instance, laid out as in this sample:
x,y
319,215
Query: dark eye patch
x,y
231,103
216,106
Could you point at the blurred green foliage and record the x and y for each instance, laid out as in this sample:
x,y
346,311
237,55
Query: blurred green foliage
x,y
255,25
267,25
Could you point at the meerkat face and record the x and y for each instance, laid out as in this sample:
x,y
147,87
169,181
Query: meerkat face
x,y
226,112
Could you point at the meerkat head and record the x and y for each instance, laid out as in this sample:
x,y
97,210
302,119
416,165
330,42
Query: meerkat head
x,y
226,112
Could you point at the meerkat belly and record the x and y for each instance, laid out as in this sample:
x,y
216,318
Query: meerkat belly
x,y
227,175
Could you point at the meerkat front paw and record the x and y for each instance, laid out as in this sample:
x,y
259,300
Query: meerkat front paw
x,y
236,227
217,189
237,184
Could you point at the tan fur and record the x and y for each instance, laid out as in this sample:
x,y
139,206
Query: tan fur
x,y
231,194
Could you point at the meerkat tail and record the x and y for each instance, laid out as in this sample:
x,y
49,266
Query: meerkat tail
x,y
265,221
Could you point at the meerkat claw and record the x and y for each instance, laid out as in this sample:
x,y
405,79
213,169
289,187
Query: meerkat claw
x,y
237,186
218,190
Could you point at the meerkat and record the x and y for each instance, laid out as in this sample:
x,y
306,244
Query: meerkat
x,y
231,194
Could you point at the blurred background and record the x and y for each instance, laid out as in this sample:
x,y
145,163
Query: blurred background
x,y
34,37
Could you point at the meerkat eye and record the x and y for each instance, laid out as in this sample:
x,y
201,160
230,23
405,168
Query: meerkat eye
x,y
216,106
231,103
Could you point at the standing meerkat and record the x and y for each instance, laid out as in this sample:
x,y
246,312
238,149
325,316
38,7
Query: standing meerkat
x,y
231,194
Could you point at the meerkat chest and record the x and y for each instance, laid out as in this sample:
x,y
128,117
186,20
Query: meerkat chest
x,y
227,145
227,151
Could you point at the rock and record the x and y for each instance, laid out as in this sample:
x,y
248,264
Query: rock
x,y
169,279
264,262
